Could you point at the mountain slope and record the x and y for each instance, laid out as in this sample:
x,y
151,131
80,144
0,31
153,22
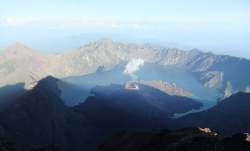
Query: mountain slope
x,y
230,116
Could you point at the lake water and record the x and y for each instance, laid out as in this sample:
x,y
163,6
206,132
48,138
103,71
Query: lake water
x,y
76,89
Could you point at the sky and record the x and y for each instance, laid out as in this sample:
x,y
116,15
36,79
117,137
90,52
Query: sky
x,y
221,24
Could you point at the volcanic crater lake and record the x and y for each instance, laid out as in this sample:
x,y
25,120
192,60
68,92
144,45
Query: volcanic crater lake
x,y
75,89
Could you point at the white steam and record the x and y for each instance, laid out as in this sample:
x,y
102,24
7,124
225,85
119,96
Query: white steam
x,y
132,67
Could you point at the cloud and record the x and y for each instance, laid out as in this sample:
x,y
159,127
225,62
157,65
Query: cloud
x,y
12,21
90,24
18,22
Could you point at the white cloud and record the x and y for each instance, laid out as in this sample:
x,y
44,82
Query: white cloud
x,y
12,21
17,22
90,24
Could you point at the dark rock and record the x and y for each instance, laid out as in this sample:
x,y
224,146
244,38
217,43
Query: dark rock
x,y
188,139
51,147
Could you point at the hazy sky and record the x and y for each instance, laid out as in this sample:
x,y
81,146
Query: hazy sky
x,y
219,23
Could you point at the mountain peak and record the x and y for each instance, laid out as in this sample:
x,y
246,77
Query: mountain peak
x,y
18,44
104,42
18,50
196,50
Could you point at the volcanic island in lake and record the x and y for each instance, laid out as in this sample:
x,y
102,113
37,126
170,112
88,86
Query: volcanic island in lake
x,y
147,97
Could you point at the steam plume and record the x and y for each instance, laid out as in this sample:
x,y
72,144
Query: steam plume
x,y
132,67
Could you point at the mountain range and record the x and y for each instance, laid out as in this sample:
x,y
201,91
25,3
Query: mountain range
x,y
32,112
22,64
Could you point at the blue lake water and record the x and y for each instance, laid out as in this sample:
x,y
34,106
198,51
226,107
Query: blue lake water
x,y
76,89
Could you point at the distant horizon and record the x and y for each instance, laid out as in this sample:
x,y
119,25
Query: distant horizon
x,y
222,27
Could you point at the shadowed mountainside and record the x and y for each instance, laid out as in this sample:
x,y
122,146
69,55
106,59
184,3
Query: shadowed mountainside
x,y
230,116
20,63
39,117
9,93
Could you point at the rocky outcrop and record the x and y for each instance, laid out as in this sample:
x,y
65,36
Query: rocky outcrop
x,y
212,79
188,139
